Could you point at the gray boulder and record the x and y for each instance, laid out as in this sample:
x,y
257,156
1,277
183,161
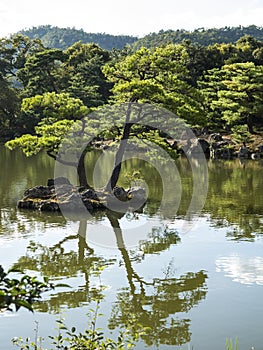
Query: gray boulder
x,y
137,193
120,193
39,192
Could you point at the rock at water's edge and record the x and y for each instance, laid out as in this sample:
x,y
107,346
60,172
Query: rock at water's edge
x,y
66,197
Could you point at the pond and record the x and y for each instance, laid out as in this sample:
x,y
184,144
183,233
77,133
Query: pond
x,y
193,278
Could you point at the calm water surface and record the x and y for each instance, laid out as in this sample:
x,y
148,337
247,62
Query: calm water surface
x,y
192,287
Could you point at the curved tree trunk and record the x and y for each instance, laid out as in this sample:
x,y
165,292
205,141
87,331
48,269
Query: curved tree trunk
x,y
119,155
82,243
81,170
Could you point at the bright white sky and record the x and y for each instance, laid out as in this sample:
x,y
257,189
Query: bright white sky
x,y
134,17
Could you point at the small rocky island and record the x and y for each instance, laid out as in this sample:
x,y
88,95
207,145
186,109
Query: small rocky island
x,y
60,195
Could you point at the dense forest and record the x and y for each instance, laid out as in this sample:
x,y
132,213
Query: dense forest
x,y
61,38
43,90
200,36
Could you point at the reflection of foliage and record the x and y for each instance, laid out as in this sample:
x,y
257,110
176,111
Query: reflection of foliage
x,y
151,309
20,292
184,292
150,304
133,179
56,262
160,239
234,197
248,229
71,299
32,171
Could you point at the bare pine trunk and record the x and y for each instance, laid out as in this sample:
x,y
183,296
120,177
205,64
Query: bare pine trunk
x,y
82,171
119,155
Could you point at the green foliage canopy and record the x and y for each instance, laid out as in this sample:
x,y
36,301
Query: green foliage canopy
x,y
158,76
241,98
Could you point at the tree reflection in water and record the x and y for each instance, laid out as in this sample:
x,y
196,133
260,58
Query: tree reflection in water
x,y
235,198
154,304
56,262
143,304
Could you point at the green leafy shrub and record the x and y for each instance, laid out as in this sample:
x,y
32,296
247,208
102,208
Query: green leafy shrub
x,y
69,339
241,134
20,292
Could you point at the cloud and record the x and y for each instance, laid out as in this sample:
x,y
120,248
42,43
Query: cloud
x,y
242,270
239,16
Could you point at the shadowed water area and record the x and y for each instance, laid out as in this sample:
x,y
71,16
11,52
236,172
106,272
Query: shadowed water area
x,y
193,279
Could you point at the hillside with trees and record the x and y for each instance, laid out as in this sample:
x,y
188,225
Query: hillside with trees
x,y
61,38
200,36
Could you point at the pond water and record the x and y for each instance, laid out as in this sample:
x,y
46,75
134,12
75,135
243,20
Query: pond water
x,y
194,278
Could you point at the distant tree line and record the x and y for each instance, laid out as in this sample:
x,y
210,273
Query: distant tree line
x,y
200,36
61,38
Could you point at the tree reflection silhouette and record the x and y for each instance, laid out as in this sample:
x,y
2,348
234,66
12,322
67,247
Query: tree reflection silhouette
x,y
234,198
154,305
56,262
